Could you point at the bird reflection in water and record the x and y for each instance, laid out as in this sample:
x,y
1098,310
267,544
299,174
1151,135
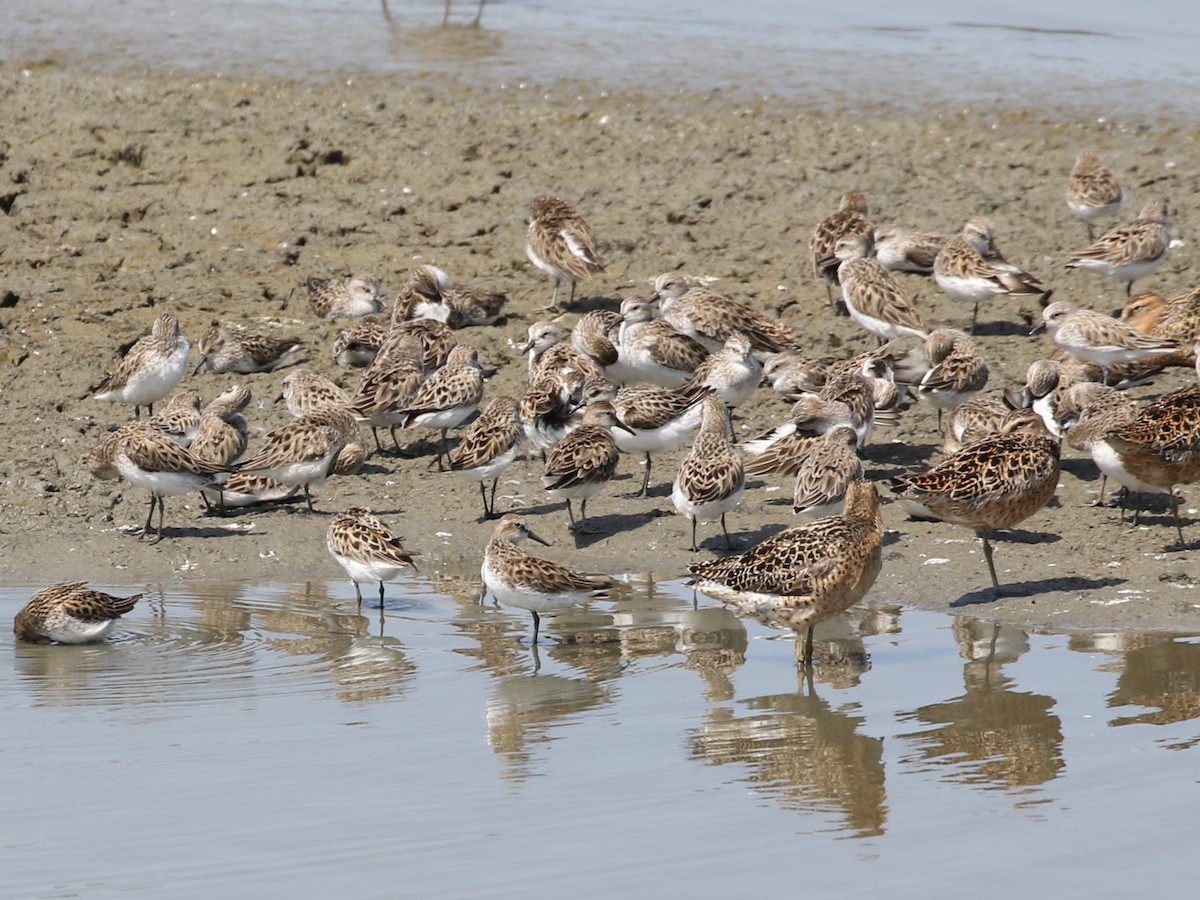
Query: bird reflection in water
x,y
991,735
802,752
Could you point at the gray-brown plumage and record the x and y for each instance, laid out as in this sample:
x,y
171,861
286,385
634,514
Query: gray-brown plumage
x,y
1086,413
901,250
232,348
344,298
70,613
179,417
1093,191
436,298
448,397
805,573
223,433
711,318
580,464
826,472
592,335
301,452
652,350
385,391
357,345
656,420
549,353
1131,251
849,221
489,445
517,578
994,483
712,478
561,243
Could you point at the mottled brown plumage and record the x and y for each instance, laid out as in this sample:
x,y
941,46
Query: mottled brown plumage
x,y
70,613
561,243
805,573
994,483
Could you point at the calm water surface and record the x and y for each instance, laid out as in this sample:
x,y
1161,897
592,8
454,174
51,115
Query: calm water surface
x,y
251,740
1107,55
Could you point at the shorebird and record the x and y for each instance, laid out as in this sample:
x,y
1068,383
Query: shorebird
x,y
963,273
1132,251
1101,339
1161,447
712,477
357,345
657,420
147,458
548,352
518,578
782,449
302,452
976,419
151,369
872,296
825,472
580,464
805,573
436,298
733,372
993,483
561,243
710,318
652,350
1086,414
956,370
344,298
179,417
489,446
231,348
592,336
223,432
367,549
1093,191
848,221
901,250
70,613
448,397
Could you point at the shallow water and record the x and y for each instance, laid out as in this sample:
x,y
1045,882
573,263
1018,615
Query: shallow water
x,y
268,739
1111,56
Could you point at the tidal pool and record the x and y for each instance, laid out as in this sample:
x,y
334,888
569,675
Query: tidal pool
x,y
239,739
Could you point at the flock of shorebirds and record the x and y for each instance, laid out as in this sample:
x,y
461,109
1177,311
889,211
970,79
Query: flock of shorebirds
x,y
666,370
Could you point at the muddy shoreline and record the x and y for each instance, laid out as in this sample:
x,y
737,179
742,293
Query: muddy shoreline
x,y
125,195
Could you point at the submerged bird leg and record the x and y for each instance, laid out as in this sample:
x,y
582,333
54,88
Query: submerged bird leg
x,y
987,554
358,594
537,622
807,653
